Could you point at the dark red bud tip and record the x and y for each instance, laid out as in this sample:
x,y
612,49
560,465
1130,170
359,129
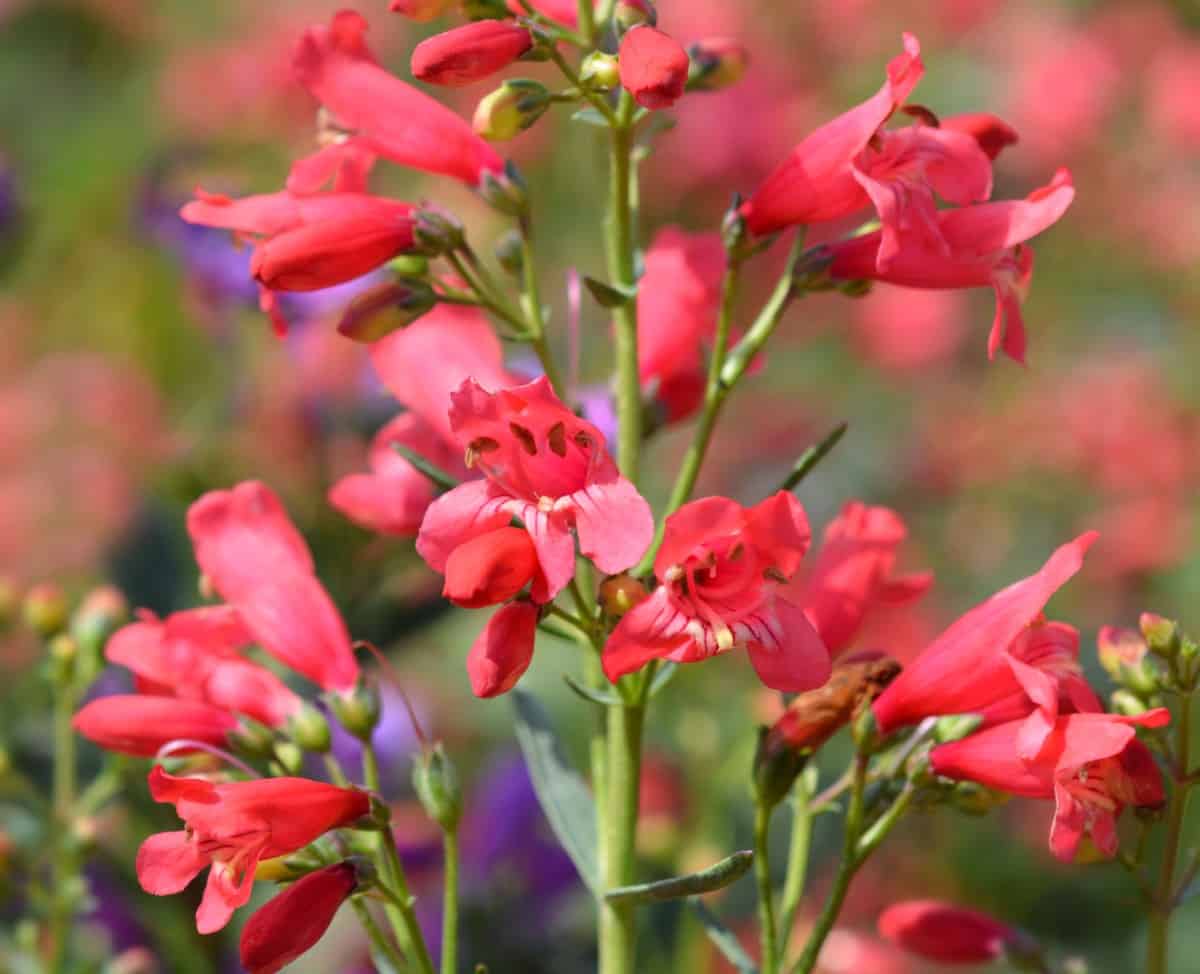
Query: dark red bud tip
x,y
292,923
490,569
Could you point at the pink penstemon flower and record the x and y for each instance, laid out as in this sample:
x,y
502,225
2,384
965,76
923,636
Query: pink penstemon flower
x,y
722,569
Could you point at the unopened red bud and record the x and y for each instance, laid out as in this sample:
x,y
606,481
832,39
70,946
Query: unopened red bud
x,y
621,593
511,109
633,13
469,53
950,934
654,67
319,255
292,923
420,10
45,609
717,62
382,310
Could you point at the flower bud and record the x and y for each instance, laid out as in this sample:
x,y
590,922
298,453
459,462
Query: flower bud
x,y
956,727
654,68
359,710
716,63
382,310
252,739
309,728
510,254
511,109
1162,635
600,71
288,757
508,193
776,767
420,10
436,784
292,923
1127,704
101,613
64,653
1124,655
45,609
437,233
950,934
621,593
409,265
634,13
469,53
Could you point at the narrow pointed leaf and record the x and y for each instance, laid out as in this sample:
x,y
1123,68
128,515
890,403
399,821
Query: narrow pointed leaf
x,y
812,456
723,938
610,295
666,673
560,789
590,694
440,478
724,873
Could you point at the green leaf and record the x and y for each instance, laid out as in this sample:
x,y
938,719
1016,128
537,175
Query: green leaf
x,y
813,455
589,116
610,295
724,873
560,789
440,478
590,694
723,938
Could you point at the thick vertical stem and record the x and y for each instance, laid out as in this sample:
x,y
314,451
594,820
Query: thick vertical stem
x,y
65,864
1158,944
797,866
450,902
618,922
766,897
619,225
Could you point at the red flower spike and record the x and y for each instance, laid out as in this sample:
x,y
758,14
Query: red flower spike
x,y
986,249
502,653
469,53
232,826
1091,764
290,925
490,568
654,67
946,933
390,118
962,670
331,252
854,572
141,725
723,568
256,559
547,467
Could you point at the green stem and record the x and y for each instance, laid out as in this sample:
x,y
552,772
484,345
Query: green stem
x,y
846,870
493,302
766,899
1163,906
450,903
618,921
65,861
399,908
378,938
531,303
798,853
620,241
587,22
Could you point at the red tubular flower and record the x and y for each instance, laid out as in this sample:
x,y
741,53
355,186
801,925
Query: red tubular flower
x,y
722,569
853,573
331,252
947,933
140,725
816,182
194,655
993,134
389,117
678,300
232,827
256,559
547,467
469,53
502,653
985,250
963,670
270,214
1091,764
291,924
654,67
490,569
